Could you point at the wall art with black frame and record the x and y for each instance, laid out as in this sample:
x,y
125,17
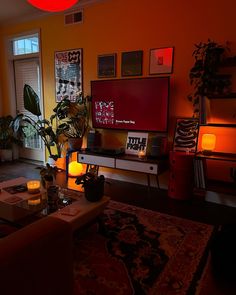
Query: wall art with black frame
x,y
132,63
107,65
186,135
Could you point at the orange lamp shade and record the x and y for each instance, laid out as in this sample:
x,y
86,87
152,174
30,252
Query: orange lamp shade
x,y
75,169
53,5
208,142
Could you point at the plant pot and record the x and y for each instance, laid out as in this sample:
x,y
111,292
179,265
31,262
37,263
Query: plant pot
x,y
47,181
60,163
5,155
75,143
94,190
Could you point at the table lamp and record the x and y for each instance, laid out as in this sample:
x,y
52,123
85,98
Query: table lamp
x,y
208,143
75,169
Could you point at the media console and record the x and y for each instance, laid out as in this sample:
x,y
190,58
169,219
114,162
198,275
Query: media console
x,y
125,162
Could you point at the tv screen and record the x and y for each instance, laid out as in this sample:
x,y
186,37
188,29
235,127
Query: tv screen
x,y
139,104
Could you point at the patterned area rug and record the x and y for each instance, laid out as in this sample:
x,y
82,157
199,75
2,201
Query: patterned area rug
x,y
137,251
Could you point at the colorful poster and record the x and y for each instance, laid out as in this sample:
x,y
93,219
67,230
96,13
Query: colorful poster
x,y
68,74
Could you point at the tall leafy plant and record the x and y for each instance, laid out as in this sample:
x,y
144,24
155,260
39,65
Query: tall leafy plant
x,y
72,116
50,136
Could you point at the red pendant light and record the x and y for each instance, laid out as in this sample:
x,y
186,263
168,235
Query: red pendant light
x,y
53,5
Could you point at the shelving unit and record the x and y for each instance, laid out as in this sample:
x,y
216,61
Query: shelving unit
x,y
213,185
225,118
229,62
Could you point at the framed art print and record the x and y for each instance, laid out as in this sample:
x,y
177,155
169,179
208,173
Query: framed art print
x,y
68,74
107,65
186,135
136,142
161,60
132,63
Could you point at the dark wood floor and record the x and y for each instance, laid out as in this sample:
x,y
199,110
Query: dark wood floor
x,y
135,194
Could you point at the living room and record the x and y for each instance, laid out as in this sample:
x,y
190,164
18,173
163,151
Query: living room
x,y
117,27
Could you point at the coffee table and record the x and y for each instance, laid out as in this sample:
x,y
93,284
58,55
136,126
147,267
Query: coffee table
x,y
14,207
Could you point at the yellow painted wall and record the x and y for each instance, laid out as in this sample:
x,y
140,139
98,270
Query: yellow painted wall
x,y
114,26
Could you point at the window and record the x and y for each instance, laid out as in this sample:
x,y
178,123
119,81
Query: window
x,y
25,60
26,45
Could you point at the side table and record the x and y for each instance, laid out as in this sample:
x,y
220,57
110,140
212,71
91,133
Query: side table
x,y
181,179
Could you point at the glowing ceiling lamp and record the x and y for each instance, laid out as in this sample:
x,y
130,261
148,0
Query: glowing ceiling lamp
x,y
53,5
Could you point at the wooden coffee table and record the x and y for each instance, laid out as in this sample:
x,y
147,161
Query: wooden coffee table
x,y
81,212
78,214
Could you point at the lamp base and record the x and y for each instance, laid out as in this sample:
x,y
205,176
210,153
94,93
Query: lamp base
x,y
207,152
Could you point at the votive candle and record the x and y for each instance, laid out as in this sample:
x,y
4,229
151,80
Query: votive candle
x,y
33,186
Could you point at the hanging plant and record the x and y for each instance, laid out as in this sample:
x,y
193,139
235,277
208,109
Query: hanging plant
x,y
204,76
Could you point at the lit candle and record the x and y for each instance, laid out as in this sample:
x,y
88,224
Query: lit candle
x,y
141,154
33,186
34,201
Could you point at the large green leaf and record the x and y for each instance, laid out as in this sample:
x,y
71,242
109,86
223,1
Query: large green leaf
x,y
31,101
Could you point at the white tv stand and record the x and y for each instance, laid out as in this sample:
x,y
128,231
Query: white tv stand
x,y
125,162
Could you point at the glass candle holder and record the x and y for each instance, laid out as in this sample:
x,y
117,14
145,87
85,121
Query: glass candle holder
x,y
33,186
141,154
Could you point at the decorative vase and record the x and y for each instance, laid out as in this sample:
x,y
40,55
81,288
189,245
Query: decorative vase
x,y
47,181
94,190
75,143
60,163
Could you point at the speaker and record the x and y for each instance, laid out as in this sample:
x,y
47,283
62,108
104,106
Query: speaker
x,y
158,146
93,139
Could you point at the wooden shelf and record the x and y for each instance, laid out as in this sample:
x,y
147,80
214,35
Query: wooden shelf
x,y
221,186
218,125
231,95
217,156
229,62
203,183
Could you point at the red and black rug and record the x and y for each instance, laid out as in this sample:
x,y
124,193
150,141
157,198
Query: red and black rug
x,y
132,250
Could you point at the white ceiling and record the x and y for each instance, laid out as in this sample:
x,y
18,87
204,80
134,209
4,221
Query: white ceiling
x,y
13,11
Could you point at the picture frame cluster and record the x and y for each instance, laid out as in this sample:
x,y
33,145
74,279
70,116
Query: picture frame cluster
x,y
160,62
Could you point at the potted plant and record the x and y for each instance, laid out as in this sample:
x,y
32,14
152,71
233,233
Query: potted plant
x,y
204,76
26,125
73,119
48,175
93,185
7,138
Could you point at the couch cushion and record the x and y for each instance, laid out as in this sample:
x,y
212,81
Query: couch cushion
x,y
6,229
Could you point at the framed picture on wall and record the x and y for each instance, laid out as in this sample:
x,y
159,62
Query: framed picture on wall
x,y
161,60
68,73
186,135
132,63
107,65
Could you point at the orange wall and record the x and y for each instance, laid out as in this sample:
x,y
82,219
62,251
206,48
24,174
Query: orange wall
x,y
114,26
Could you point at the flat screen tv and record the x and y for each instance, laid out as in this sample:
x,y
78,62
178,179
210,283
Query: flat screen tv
x,y
138,104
